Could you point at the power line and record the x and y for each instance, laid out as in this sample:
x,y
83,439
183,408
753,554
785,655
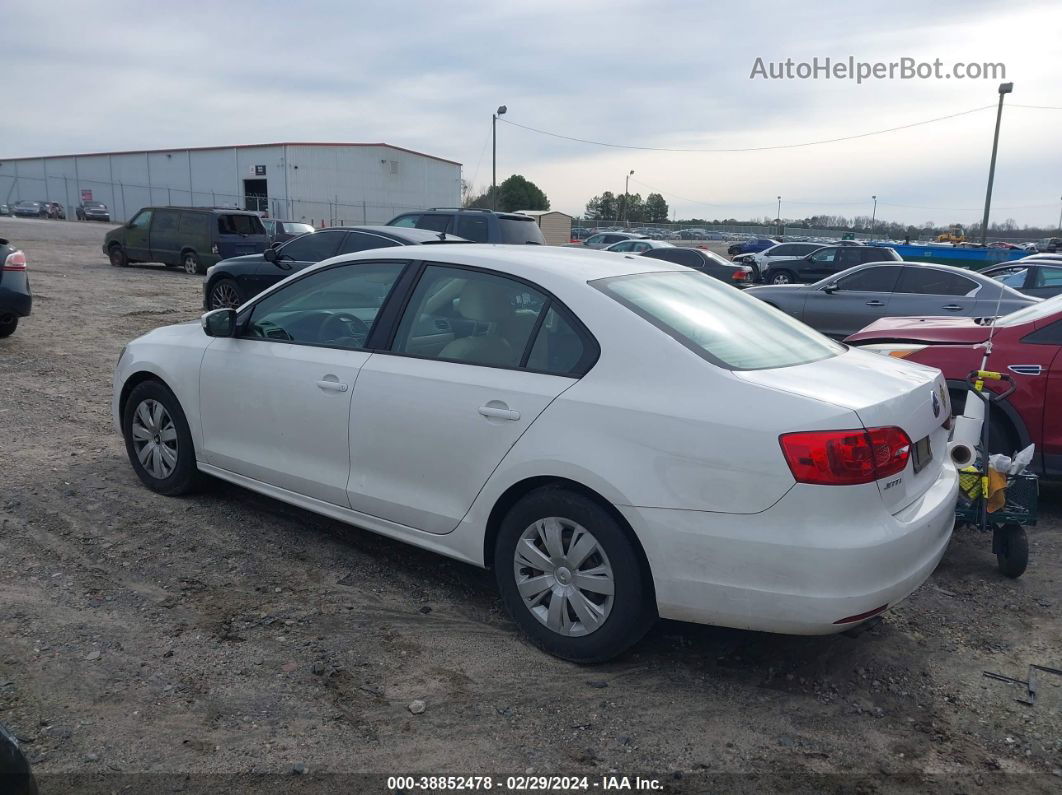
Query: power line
x,y
749,148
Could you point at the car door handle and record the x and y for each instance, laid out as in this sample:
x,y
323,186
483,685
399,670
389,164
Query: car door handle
x,y
953,308
501,412
875,303
332,384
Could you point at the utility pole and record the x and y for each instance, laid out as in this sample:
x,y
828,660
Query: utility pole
x,y
626,197
1060,221
781,228
1004,89
494,156
873,215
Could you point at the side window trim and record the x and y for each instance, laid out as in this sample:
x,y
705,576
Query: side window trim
x,y
535,330
591,347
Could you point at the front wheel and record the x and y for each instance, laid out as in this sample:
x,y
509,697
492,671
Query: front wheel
x,y
781,277
571,577
8,324
225,294
190,261
117,256
158,441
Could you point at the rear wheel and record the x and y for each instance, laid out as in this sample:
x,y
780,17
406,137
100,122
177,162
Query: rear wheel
x,y
8,324
117,256
781,277
571,577
190,262
1012,549
225,294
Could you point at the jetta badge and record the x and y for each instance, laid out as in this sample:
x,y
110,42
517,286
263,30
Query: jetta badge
x,y
936,404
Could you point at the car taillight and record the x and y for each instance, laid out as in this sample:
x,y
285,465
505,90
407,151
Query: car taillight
x,y
742,274
846,458
15,261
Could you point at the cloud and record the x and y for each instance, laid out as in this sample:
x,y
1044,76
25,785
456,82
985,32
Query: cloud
x,y
427,75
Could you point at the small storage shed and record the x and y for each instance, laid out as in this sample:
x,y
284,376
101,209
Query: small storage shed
x,y
556,226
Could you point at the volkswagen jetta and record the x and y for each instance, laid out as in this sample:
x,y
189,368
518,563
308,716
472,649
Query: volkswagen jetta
x,y
618,438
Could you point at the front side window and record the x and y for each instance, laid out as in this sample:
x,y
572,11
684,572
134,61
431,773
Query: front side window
x,y
871,280
336,307
930,281
469,316
825,255
623,245
595,240
312,247
717,322
142,220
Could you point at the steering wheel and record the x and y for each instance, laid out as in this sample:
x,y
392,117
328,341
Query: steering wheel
x,y
346,324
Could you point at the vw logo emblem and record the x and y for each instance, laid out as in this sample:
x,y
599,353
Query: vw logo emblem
x,y
936,404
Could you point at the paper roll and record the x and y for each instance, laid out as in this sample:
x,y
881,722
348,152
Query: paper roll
x,y
962,455
967,431
975,407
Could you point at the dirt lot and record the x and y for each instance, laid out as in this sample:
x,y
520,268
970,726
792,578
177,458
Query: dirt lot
x,y
227,633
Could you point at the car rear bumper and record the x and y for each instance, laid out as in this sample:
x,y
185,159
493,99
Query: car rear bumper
x,y
15,296
800,567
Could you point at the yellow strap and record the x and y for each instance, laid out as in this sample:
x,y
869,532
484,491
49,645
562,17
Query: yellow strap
x,y
989,375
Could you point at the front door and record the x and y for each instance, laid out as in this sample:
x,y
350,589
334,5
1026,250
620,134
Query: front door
x,y
137,242
275,401
434,417
859,299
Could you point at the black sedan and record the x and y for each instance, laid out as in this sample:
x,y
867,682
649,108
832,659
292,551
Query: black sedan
x,y
705,261
1042,278
92,211
15,298
844,303
233,281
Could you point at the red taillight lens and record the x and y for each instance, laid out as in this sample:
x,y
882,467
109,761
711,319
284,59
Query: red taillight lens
x,y
740,276
845,458
15,261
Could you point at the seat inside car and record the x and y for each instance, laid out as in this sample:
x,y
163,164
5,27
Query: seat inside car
x,y
484,302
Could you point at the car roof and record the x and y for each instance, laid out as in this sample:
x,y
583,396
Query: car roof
x,y
550,266
397,232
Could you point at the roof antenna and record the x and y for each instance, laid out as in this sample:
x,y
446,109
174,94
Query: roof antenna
x,y
442,236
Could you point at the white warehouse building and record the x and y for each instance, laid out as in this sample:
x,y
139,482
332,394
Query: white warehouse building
x,y
323,183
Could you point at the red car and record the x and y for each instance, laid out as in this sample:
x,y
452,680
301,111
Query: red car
x,y
1027,345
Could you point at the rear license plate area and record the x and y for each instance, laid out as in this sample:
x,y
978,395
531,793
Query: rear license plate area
x,y
921,454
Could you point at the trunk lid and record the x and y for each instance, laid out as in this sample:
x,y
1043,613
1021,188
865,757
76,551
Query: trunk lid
x,y
957,330
882,391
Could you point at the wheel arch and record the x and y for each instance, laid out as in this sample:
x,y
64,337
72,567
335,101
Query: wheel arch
x,y
132,382
521,488
1013,421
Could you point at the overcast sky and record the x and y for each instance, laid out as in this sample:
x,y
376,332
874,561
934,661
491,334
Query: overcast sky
x,y
104,75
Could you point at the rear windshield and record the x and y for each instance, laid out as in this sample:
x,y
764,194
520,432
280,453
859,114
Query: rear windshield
x,y
240,225
518,231
718,322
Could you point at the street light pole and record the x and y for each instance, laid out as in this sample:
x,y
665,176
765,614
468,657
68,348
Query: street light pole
x,y
1060,221
873,215
494,156
778,217
626,197
1004,89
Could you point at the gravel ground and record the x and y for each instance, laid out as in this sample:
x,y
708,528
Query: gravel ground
x,y
226,637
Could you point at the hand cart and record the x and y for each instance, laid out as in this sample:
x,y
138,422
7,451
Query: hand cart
x,y
1009,541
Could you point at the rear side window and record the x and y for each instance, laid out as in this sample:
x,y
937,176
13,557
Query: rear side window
x,y
877,254
435,222
195,225
240,225
312,247
473,227
930,281
1048,277
165,223
518,231
409,221
359,241
717,322
558,348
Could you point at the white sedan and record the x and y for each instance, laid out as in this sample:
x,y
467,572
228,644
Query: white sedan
x,y
619,438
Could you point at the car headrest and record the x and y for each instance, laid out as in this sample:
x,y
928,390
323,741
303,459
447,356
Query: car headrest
x,y
484,302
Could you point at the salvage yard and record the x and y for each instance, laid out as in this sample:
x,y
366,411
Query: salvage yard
x,y
230,633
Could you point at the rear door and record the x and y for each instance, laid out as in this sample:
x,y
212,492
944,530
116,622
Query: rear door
x,y
860,299
935,292
456,388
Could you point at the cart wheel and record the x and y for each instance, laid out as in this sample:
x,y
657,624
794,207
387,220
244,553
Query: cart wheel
x,y
1012,549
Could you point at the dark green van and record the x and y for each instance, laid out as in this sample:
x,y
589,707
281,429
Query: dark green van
x,y
192,237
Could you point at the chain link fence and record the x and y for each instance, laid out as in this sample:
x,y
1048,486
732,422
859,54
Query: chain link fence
x,y
124,199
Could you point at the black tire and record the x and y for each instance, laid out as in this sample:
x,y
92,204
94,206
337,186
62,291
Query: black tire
x,y
633,609
781,276
117,256
191,264
224,293
1012,545
185,477
8,325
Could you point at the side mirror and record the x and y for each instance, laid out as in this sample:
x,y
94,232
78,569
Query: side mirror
x,y
831,288
220,323
270,254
